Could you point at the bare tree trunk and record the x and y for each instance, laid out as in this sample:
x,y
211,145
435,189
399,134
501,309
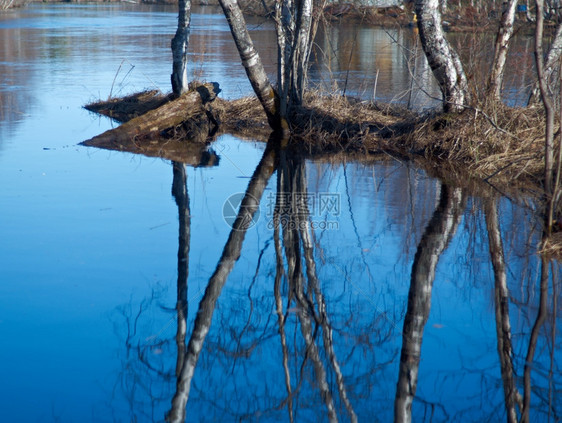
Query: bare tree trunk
x,y
180,43
443,60
296,27
512,396
535,332
546,100
501,48
301,52
285,28
179,191
230,255
435,239
551,68
252,62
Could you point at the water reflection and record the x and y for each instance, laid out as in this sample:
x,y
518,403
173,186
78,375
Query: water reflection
x,y
385,65
435,239
86,230
283,342
539,378
303,287
179,191
230,255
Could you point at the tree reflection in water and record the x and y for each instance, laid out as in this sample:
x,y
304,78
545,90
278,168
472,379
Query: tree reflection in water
x,y
517,405
280,345
292,216
435,239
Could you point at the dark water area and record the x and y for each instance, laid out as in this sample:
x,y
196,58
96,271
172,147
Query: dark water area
x,y
268,287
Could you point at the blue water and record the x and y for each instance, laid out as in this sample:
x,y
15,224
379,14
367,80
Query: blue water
x,y
88,258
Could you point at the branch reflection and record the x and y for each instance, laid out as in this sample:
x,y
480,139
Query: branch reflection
x,y
230,255
517,405
300,335
291,217
435,239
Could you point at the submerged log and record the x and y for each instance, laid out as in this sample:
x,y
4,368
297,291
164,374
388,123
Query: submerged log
x,y
155,122
154,132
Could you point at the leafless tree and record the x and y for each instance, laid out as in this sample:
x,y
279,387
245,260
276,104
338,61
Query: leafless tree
x,y
295,22
435,239
503,36
230,255
296,25
443,59
551,68
552,170
180,43
251,61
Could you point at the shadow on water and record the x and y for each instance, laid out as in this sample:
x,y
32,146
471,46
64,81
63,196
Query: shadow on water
x,y
292,351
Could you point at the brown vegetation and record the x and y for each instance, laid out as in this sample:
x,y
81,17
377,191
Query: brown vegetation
x,y
499,145
502,145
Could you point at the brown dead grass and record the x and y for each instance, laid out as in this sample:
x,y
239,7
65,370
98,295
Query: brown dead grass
x,y
500,145
126,108
491,142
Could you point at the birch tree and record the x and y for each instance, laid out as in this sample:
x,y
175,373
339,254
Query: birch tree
x,y
295,33
551,67
438,233
180,43
252,63
501,48
442,58
548,103
295,26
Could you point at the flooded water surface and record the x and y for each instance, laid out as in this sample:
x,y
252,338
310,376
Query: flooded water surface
x,y
260,286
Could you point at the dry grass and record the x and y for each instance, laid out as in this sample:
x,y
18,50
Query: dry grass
x,y
494,142
500,145
126,108
553,246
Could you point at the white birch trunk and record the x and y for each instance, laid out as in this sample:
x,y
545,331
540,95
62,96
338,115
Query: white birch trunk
x,y
550,68
251,61
180,43
503,37
442,58
435,239
546,100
